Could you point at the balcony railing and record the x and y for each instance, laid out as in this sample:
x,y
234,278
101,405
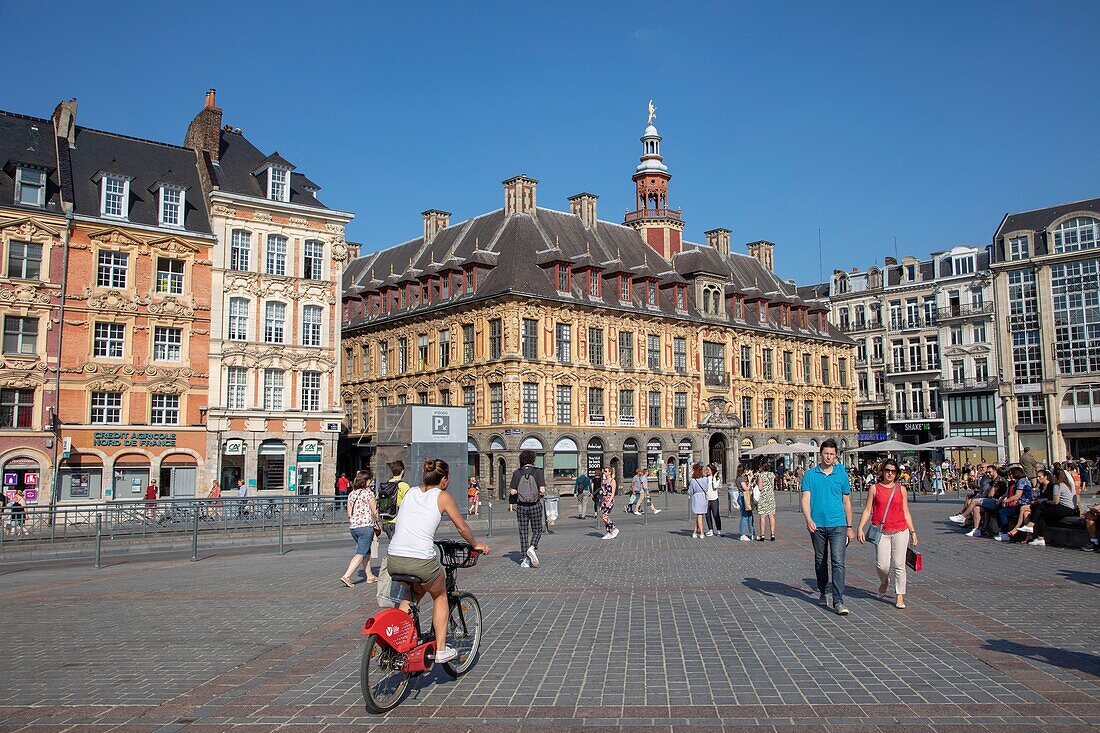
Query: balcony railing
x,y
968,385
716,379
859,327
910,323
914,415
652,214
912,367
966,311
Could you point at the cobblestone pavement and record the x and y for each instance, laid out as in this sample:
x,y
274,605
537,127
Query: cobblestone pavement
x,y
653,631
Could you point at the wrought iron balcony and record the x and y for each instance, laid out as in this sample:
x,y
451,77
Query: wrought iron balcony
x,y
912,367
966,311
969,385
913,323
875,325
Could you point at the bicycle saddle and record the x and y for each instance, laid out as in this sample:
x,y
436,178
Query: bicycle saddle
x,y
402,578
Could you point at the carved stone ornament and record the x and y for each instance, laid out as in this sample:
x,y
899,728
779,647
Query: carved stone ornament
x,y
171,307
335,228
174,246
223,210
112,300
340,252
116,238
108,385
21,381
24,294
241,283
298,222
261,216
30,229
23,366
168,388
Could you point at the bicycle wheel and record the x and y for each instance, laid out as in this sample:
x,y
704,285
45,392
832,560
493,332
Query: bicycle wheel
x,y
463,633
383,683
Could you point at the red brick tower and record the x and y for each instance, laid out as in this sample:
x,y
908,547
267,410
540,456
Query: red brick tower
x,y
660,226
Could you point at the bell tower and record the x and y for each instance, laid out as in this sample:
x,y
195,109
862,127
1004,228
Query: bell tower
x,y
661,227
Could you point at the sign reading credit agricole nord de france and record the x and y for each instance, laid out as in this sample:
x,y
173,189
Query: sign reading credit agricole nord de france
x,y
135,439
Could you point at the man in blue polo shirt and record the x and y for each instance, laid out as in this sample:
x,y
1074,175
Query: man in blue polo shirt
x,y
827,507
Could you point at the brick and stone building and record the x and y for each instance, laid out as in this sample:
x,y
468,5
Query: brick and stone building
x,y
274,414
592,343
1047,290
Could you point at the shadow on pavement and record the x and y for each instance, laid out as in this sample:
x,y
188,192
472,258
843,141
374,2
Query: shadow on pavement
x,y
1078,576
775,588
1080,661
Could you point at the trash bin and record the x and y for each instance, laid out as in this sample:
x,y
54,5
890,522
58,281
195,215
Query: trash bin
x,y
550,502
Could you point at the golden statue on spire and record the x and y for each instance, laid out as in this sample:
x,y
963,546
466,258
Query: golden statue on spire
x,y
652,113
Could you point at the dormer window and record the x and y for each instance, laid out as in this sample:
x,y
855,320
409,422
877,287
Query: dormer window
x,y
680,300
651,296
114,192
962,265
624,289
30,186
910,273
171,205
278,184
712,300
594,283
763,311
563,278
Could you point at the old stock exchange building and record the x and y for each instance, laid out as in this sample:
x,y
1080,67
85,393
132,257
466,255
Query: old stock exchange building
x,y
592,343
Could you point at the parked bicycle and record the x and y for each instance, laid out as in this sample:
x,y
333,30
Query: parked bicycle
x,y
397,649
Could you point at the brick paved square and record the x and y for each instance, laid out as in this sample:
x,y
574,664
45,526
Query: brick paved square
x,y
652,631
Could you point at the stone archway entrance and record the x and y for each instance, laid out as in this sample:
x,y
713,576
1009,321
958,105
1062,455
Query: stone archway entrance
x,y
717,453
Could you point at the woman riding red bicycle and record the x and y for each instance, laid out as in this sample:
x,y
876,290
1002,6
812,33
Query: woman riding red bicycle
x,y
412,550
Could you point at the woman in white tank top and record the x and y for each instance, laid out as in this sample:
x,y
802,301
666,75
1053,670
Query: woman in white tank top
x,y
412,550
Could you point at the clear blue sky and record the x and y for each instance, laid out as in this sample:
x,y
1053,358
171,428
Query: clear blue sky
x,y
928,121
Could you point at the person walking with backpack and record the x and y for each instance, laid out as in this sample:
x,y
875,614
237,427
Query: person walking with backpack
x,y
582,489
528,485
389,495
606,502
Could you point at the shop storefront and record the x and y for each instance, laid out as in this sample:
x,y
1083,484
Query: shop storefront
x,y
653,462
82,479
566,464
307,472
271,466
685,452
24,472
129,477
178,476
630,460
232,466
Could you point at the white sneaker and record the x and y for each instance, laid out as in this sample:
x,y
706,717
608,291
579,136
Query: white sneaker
x,y
658,511
694,535
974,533
1027,528
957,519
532,557
614,533
1002,537
525,564
446,654
1038,542
710,533
745,538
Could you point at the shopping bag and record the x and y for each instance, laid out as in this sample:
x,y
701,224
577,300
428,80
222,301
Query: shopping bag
x,y
913,559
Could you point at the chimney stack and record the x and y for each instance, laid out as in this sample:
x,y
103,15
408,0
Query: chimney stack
x,y
583,206
64,120
519,195
434,221
764,252
204,132
890,262
719,239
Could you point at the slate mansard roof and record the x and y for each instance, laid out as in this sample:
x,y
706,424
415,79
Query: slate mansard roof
x,y
29,141
1037,221
515,255
239,159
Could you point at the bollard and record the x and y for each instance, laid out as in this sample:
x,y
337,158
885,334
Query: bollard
x,y
280,533
98,540
645,513
490,532
195,537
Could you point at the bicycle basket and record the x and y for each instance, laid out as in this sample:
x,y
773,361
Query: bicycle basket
x,y
457,554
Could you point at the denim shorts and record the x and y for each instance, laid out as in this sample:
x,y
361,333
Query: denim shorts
x,y
989,504
364,536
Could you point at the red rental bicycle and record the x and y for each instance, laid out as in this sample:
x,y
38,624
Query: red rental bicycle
x,y
398,649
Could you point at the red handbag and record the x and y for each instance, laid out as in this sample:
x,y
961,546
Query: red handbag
x,y
913,559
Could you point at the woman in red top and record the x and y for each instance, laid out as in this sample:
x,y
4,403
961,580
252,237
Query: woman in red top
x,y
897,528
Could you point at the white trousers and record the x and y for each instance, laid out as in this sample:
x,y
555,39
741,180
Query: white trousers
x,y
890,554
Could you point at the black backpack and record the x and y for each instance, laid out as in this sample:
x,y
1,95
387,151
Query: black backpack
x,y
387,499
527,488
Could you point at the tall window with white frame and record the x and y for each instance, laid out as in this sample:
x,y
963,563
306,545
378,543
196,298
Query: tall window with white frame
x,y
164,409
530,338
564,400
238,320
24,260
236,382
563,342
274,322
278,184
595,346
112,269
114,190
313,260
273,389
383,358
311,391
469,395
276,254
20,335
679,410
311,325
531,403
468,343
653,404
30,186
240,250
679,354
444,348
746,412
167,343
653,351
1075,288
108,340
1019,248
1073,235
746,362
171,206
595,405
495,338
496,403
1023,325
106,408
169,276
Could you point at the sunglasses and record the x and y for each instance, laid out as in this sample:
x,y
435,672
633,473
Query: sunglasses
x,y
889,470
